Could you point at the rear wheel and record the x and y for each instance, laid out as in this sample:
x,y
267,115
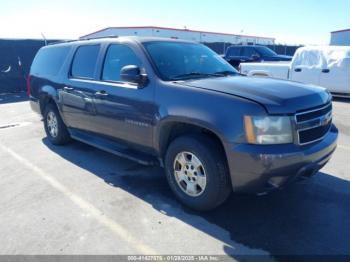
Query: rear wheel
x,y
56,130
197,172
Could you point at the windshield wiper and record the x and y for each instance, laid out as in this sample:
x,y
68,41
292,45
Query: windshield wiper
x,y
192,74
226,73
198,74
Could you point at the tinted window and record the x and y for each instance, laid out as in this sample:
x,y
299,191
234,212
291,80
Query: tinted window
x,y
176,60
84,62
117,57
265,51
234,51
249,52
49,61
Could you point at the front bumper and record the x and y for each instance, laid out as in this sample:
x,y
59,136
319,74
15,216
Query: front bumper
x,y
260,168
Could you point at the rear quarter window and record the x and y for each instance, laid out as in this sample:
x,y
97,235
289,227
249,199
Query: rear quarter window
x,y
49,61
84,62
234,51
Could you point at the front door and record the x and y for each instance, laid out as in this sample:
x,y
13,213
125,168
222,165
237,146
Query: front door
x,y
306,67
306,74
124,111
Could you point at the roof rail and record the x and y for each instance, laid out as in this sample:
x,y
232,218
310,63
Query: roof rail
x,y
100,37
61,42
74,40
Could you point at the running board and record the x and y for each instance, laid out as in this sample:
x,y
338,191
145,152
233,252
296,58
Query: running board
x,y
113,148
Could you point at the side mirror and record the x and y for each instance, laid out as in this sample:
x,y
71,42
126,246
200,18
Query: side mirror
x,y
255,57
132,74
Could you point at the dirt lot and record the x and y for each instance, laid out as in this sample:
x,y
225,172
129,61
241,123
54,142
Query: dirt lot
x,y
80,200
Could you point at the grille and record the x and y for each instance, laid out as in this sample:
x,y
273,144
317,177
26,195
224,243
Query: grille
x,y
314,114
313,125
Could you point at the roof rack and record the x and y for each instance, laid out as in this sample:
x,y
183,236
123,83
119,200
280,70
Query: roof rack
x,y
74,40
100,37
61,42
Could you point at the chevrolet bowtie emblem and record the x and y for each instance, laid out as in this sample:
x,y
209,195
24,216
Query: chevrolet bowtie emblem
x,y
326,119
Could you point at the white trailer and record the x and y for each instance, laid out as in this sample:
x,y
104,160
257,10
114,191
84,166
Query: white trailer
x,y
341,37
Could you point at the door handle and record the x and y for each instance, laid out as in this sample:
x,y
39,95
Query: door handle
x,y
297,70
101,93
66,88
326,71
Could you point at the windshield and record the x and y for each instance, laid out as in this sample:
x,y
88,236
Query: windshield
x,y
176,61
264,51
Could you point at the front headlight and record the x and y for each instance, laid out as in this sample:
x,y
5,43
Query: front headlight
x,y
268,130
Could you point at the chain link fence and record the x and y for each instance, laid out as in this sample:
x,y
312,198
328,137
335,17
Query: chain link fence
x,y
16,57
221,48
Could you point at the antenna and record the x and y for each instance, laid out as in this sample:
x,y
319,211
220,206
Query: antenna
x,y
44,38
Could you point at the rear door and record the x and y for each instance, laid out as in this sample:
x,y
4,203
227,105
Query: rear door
x,y
233,55
233,52
78,90
336,76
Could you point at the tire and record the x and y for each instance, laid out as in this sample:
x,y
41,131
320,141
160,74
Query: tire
x,y
217,186
51,116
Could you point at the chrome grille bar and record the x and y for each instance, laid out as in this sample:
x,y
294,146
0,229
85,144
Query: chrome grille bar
x,y
313,125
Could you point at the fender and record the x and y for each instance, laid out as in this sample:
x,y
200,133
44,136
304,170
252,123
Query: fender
x,y
46,93
47,90
161,132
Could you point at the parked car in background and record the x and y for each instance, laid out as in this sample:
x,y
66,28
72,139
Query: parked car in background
x,y
252,53
179,105
326,66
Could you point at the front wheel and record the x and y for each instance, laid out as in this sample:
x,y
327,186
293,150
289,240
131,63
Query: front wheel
x,y
197,172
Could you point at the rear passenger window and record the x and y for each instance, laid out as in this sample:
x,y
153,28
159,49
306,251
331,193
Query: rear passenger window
x,y
234,51
117,57
84,62
49,61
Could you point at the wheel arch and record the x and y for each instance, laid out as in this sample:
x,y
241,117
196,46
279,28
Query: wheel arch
x,y
47,95
208,148
259,73
171,129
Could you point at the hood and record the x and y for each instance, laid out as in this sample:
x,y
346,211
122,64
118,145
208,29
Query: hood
x,y
278,58
277,96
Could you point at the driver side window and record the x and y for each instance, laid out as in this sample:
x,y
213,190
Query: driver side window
x,y
117,57
250,52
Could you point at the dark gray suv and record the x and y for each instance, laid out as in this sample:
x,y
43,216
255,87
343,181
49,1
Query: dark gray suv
x,y
179,105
